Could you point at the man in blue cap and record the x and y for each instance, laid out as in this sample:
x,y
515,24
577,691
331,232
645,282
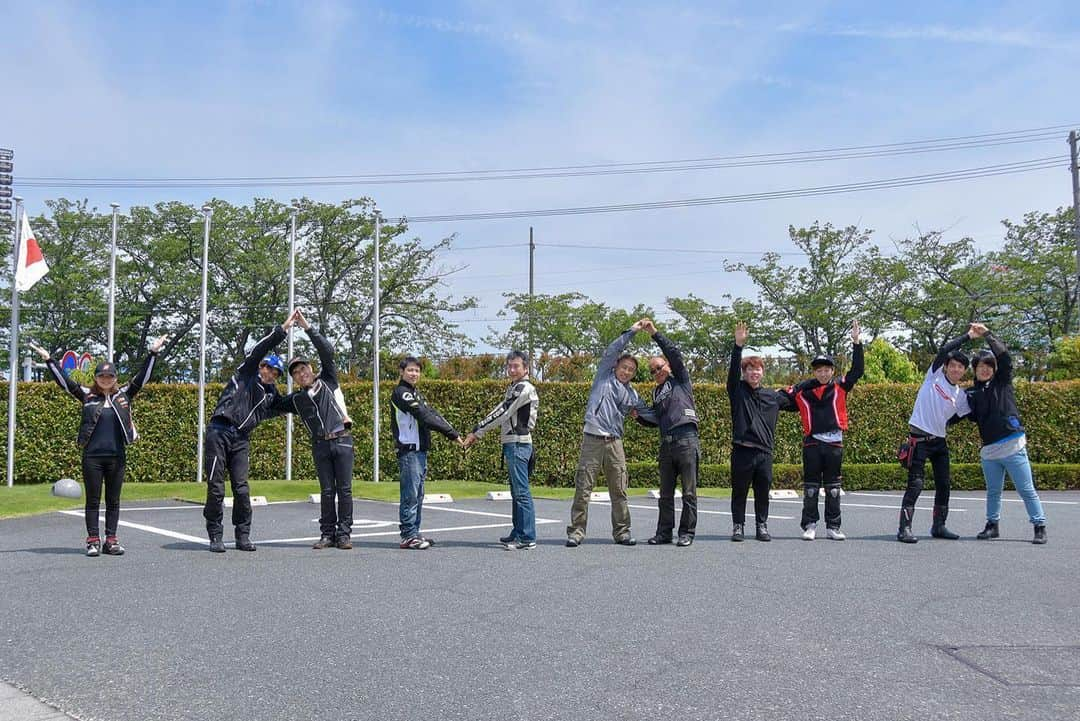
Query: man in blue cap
x,y
247,399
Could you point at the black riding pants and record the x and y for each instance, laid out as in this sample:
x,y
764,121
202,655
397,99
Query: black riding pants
x,y
821,469
334,466
107,471
936,451
750,467
226,449
678,459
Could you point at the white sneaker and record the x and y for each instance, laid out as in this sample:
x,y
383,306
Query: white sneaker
x,y
810,532
835,534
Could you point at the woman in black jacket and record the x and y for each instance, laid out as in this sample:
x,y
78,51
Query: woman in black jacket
x,y
106,429
1004,449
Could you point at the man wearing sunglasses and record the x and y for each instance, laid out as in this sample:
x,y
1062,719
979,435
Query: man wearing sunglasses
x,y
680,449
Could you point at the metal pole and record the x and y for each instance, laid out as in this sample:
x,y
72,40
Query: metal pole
x,y
375,346
532,251
112,281
292,307
207,212
13,375
1075,167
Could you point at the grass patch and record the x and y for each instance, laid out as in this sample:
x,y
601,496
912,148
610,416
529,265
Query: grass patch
x,y
31,499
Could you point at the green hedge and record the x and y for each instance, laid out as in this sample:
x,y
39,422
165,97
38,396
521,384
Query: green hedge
x,y
165,415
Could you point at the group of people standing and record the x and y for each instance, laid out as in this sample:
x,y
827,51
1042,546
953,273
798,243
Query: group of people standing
x,y
251,396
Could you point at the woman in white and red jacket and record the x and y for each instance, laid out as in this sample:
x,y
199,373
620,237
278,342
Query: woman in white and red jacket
x,y
106,429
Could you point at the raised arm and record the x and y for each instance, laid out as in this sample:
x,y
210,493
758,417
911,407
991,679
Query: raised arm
x,y
607,361
735,367
1004,372
945,350
673,355
143,376
327,367
57,374
266,344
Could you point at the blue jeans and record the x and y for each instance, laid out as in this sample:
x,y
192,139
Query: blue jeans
x,y
517,456
1019,469
412,469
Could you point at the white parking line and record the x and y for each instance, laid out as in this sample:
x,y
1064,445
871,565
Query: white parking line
x,y
149,529
977,499
848,504
395,533
190,507
203,541
700,510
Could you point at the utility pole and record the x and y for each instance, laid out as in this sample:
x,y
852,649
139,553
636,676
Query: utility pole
x,y
1074,165
532,252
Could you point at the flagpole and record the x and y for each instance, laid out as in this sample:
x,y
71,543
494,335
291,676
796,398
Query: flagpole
x,y
13,373
292,307
375,347
207,212
112,281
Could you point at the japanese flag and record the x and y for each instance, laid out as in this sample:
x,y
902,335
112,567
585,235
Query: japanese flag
x,y
32,266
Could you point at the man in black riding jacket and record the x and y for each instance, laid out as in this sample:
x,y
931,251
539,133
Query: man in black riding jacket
x,y
247,400
320,404
680,449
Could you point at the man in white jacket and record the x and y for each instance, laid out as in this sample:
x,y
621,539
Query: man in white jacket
x,y
516,418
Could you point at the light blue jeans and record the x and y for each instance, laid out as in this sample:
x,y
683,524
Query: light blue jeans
x,y
1019,468
517,457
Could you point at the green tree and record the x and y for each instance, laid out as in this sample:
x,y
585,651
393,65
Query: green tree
x,y
808,308
1038,266
885,363
335,261
567,325
932,289
158,273
67,309
705,332
1065,360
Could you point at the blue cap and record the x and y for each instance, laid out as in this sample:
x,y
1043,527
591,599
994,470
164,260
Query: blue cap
x,y
274,361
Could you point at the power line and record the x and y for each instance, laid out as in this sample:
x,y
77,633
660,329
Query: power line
x,y
964,142
986,171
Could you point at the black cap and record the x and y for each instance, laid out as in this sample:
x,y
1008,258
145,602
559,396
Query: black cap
x,y
297,360
822,360
105,369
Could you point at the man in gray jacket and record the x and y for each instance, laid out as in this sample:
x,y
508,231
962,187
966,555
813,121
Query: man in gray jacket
x,y
610,400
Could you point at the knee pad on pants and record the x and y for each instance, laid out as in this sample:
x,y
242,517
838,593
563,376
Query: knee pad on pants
x,y
810,491
833,491
916,483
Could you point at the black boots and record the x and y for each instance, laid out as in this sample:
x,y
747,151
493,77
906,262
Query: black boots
x,y
991,531
904,535
938,529
762,532
216,544
243,543
1040,535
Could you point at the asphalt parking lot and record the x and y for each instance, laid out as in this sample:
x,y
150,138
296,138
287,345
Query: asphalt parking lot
x,y
861,629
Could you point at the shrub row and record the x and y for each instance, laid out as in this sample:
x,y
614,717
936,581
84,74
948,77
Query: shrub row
x,y
166,417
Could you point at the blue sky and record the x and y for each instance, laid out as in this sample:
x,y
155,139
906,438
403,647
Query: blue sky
x,y
322,88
